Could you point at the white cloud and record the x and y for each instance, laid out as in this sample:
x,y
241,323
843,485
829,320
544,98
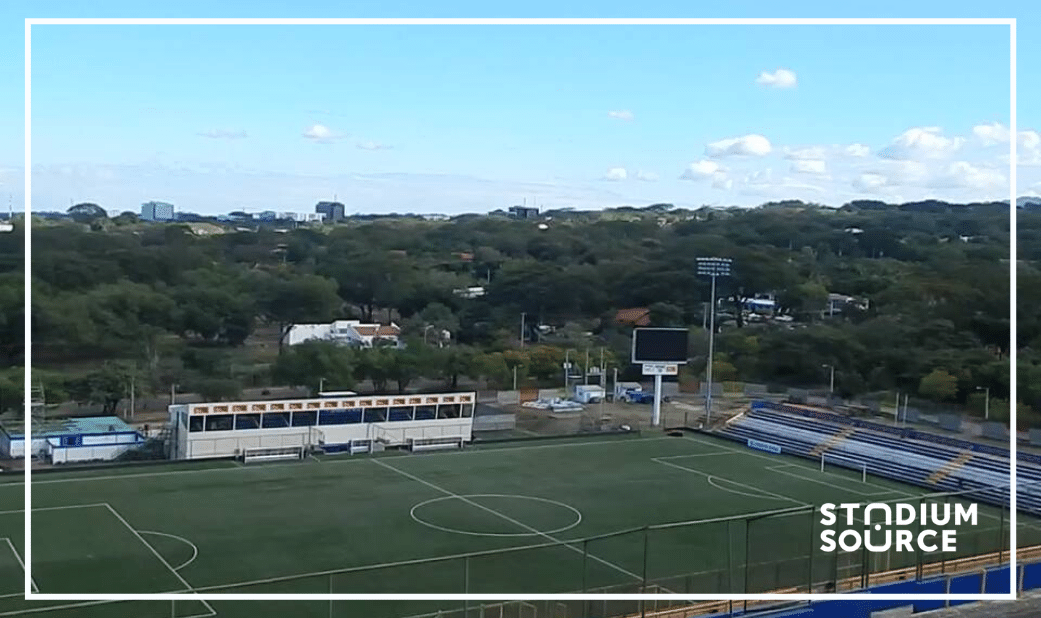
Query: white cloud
x,y
921,143
223,134
616,173
857,150
761,177
621,114
720,181
964,174
747,145
1030,140
321,133
1029,151
871,182
810,152
993,133
647,176
808,166
762,182
700,170
781,78
370,145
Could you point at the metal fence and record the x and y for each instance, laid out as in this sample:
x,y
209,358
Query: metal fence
x,y
771,551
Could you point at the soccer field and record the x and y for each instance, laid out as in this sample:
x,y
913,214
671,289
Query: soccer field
x,y
577,510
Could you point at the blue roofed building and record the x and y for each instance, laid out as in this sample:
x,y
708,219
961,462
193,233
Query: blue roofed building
x,y
100,438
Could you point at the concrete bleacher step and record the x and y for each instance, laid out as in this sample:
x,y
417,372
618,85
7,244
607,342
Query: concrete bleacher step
x,y
832,442
950,467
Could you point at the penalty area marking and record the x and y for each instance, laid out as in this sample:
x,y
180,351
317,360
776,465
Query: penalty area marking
x,y
767,495
712,481
468,498
195,550
18,557
780,470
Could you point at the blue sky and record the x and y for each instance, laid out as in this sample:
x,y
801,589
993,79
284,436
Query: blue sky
x,y
468,119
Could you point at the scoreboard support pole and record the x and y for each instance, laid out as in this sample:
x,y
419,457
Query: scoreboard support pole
x,y
656,414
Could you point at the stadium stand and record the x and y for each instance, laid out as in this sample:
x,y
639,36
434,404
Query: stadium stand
x,y
935,462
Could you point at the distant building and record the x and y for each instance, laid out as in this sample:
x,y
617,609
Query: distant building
x,y
346,332
301,217
524,212
837,303
470,292
157,211
330,211
267,215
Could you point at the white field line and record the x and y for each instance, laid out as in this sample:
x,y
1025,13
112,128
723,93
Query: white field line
x,y
74,605
18,557
56,508
762,492
327,460
840,477
507,518
195,550
187,586
779,470
699,455
51,608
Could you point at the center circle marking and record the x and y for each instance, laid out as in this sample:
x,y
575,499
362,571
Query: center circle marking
x,y
464,499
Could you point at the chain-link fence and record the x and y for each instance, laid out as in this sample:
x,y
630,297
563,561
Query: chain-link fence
x,y
773,551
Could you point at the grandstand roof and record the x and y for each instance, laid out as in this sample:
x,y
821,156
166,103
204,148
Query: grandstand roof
x,y
70,427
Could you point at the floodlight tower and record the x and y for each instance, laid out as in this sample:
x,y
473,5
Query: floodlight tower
x,y
712,267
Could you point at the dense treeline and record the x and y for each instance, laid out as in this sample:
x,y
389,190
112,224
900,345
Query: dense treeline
x,y
115,299
1028,308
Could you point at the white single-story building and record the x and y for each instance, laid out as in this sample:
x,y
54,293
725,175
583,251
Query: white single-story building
x,y
101,438
346,332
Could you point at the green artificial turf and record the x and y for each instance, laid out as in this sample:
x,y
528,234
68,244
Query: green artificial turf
x,y
399,523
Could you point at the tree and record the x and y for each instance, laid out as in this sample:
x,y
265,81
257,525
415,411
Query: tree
x,y
405,365
374,364
87,212
455,361
939,386
301,299
666,314
106,386
313,363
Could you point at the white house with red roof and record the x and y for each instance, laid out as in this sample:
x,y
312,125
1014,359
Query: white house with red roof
x,y
345,332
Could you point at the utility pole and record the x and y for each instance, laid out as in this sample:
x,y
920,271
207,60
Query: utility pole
x,y
131,396
712,267
522,329
567,369
173,394
986,402
585,369
831,386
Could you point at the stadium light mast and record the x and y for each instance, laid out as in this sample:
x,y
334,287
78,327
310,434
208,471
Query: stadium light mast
x,y
712,267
